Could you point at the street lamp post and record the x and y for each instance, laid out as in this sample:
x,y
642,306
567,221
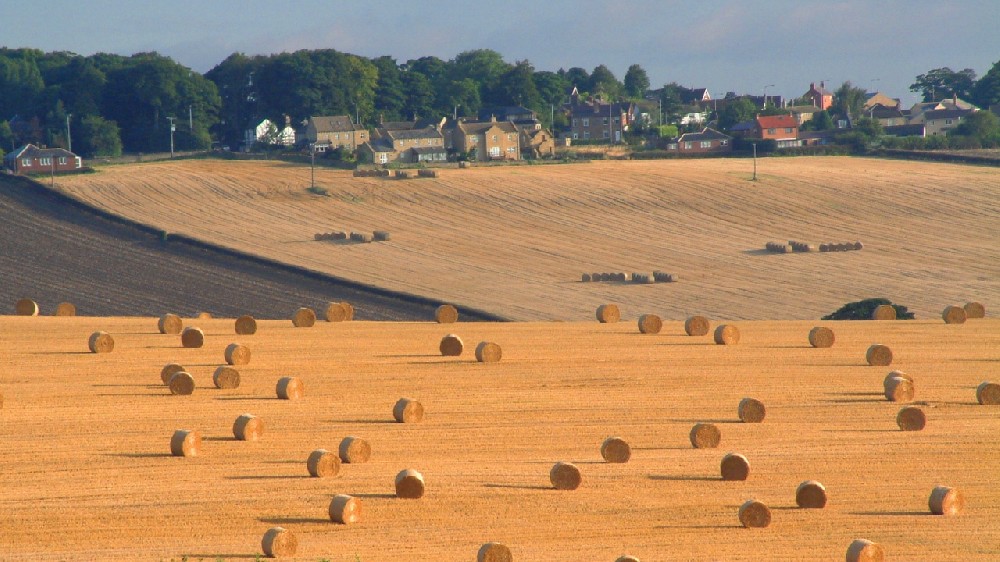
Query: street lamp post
x,y
765,94
754,161
172,128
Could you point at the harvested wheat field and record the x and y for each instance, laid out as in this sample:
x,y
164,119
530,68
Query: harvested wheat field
x,y
88,471
514,241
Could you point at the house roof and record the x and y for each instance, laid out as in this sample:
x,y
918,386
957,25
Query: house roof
x,y
705,134
879,111
947,113
503,113
334,124
424,133
378,145
743,127
821,89
800,109
476,127
428,149
32,151
776,121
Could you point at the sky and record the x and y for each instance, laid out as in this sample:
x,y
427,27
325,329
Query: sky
x,y
744,46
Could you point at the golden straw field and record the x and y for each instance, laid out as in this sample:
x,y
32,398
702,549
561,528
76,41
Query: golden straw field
x,y
87,471
514,241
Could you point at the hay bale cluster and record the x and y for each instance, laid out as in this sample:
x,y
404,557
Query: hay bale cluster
x,y
371,173
363,237
697,326
639,278
954,315
26,307
804,247
339,312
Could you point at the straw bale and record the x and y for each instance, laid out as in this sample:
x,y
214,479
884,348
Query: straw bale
x,y
727,334
192,337
858,246
879,355
185,443
101,342
304,318
246,325
810,494
650,324
626,558
863,550
168,371
734,466
381,236
446,314
488,352
946,501
26,307
705,436
451,346
884,312
279,542
345,509
616,450
226,377
751,410
988,393
697,326
354,450
248,427
494,552
898,389
322,464
565,476
954,315
65,309
754,514
911,418
408,410
605,277
608,314
289,388
975,310
410,484
821,336
181,383
336,312
170,324
585,278
205,315
237,354
894,374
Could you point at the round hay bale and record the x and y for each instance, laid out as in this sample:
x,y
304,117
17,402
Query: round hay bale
x,y
279,542
626,558
650,324
248,427
751,410
345,509
605,277
494,552
595,277
408,410
887,381
585,278
565,476
879,355
446,314
246,325
946,501
954,315
322,464
192,337
26,307
608,314
350,310
488,352
697,326
289,388
727,334
65,309
898,389
705,436
884,312
226,377
975,310
821,336
101,342
734,466
354,450
181,383
185,443
237,354
410,484
859,246
616,450
381,236
864,550
451,346
810,495
911,418
205,315
170,324
304,318
754,514
988,393
336,312
169,370
824,247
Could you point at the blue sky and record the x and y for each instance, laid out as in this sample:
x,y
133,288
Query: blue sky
x,y
724,45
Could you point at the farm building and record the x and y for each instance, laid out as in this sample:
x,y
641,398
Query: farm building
x,y
30,159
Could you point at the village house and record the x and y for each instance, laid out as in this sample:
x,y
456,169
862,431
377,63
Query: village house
x,y
707,140
485,140
329,132
820,97
30,159
396,142
267,132
536,142
783,129
887,116
878,98
940,121
601,121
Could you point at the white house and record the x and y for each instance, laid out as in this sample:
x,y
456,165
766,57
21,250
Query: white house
x,y
269,133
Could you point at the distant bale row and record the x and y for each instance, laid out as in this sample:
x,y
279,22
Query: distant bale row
x,y
841,247
377,236
802,247
427,173
778,248
635,277
338,235
371,173
28,307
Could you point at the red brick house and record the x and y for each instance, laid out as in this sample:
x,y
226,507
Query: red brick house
x,y
29,159
707,140
820,97
783,129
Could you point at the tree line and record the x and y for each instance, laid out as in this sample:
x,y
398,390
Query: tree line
x,y
113,103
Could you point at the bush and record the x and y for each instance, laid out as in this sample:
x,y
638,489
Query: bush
x,y
862,310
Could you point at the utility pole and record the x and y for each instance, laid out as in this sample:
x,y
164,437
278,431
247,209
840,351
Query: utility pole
x,y
172,128
191,119
754,161
312,158
765,94
69,137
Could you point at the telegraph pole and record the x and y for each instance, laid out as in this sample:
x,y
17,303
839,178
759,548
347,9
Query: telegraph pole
x,y
754,161
69,137
172,128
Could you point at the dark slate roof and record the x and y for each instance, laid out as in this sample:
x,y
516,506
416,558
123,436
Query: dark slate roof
x,y
917,130
428,150
503,113
743,127
705,134
334,123
423,133
32,151
947,113
879,111
380,145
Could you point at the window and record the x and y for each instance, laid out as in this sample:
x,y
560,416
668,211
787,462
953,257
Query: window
x,y
672,146
474,140
510,149
576,136
688,145
383,157
772,131
586,122
586,135
723,142
605,121
26,162
574,122
45,161
495,151
706,144
788,130
947,121
510,137
606,134
617,119
494,138
62,160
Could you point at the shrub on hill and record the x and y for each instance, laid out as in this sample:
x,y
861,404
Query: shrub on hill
x,y
862,310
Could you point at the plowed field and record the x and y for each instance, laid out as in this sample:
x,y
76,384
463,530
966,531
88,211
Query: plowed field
x,y
514,241
87,475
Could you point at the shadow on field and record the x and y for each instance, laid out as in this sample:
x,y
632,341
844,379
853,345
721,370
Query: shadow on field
x,y
61,353
149,386
672,477
392,355
518,486
207,556
139,455
375,496
361,421
693,420
269,477
247,398
698,526
217,438
912,513
292,520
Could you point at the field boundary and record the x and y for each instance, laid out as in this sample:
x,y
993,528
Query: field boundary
x,y
947,157
59,197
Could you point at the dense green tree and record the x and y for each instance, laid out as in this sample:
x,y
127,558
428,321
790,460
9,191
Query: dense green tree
x,y
943,83
485,67
739,110
96,136
636,82
518,86
849,101
20,82
463,98
7,139
603,82
984,126
986,92
389,95
869,127
234,80
821,121
79,84
671,103
552,87
578,77
419,95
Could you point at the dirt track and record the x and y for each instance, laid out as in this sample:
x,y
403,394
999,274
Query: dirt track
x,y
51,252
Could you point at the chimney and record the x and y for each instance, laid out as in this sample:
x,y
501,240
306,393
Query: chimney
x,y
822,84
812,85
